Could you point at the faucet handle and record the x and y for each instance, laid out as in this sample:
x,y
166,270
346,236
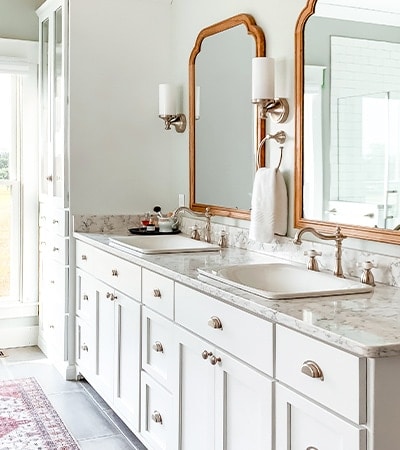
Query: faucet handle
x,y
195,233
367,276
312,262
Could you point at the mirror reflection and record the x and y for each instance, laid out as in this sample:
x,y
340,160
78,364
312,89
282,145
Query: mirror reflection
x,y
351,114
222,125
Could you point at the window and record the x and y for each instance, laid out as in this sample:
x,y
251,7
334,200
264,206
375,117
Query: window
x,y
18,179
10,218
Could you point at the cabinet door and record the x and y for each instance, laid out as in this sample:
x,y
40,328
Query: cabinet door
x,y
243,406
127,359
196,388
302,425
103,382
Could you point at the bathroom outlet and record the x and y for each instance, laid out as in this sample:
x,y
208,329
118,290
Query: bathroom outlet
x,y
181,200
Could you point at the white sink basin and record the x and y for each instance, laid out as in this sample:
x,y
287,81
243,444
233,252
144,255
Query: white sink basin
x,y
283,281
161,244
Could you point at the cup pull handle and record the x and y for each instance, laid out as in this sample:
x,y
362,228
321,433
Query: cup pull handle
x,y
312,369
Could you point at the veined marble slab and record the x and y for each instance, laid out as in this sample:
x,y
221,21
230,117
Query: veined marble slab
x,y
365,324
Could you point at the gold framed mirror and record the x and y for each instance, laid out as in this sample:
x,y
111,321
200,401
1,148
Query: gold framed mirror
x,y
223,124
339,177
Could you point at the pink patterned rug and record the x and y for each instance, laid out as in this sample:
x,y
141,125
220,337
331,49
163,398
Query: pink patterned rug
x,y
28,421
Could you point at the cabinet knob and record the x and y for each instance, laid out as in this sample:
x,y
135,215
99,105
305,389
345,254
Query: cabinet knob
x,y
157,293
55,221
157,346
84,257
215,322
85,297
49,178
205,354
55,249
312,369
51,327
111,296
215,359
84,348
156,416
114,272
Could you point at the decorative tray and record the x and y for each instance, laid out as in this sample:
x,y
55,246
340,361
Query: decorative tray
x,y
144,232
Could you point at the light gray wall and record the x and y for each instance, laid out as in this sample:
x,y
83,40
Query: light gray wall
x,y
18,19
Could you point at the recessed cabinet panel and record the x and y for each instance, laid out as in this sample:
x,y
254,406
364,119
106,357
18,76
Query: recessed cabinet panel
x,y
341,383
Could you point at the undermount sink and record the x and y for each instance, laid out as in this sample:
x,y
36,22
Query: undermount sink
x,y
161,244
283,281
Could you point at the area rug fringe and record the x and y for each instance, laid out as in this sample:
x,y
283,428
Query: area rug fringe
x,y
28,421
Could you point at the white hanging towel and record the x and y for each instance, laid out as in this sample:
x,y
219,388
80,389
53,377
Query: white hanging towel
x,y
269,205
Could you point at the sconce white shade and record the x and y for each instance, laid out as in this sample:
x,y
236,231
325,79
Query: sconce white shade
x,y
263,79
197,102
167,100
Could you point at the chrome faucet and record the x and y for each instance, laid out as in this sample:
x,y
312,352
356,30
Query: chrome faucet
x,y
207,214
337,237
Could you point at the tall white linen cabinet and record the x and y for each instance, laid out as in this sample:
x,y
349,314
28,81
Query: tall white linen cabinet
x,y
93,60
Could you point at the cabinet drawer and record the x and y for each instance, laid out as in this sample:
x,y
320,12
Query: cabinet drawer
x,y
54,246
158,293
342,385
85,295
158,349
54,220
248,337
118,273
157,421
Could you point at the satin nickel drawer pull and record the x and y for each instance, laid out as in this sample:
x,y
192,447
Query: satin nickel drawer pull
x,y
85,348
114,272
312,369
215,359
85,297
157,346
157,293
84,257
156,416
215,322
56,249
311,448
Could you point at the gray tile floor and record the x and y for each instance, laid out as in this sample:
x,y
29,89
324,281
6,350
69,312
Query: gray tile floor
x,y
88,418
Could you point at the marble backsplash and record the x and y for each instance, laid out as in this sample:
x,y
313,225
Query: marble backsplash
x,y
386,268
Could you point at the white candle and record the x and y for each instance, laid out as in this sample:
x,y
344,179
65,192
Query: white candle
x,y
166,100
263,80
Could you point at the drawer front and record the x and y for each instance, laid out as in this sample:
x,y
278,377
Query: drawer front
x,y
158,293
341,385
158,349
85,295
54,220
85,348
54,283
54,246
201,313
157,421
118,273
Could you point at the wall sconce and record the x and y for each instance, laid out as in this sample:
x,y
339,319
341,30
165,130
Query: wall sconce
x,y
263,91
167,107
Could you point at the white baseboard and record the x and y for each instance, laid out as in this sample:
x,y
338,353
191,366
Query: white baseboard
x,y
19,336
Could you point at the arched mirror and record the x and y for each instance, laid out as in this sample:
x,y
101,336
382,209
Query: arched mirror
x,y
223,124
348,118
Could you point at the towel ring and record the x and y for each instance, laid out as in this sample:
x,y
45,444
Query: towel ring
x,y
280,138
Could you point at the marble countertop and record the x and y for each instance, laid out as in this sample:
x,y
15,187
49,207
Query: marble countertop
x,y
365,324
